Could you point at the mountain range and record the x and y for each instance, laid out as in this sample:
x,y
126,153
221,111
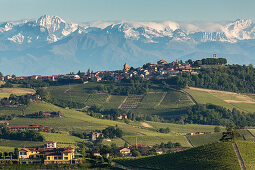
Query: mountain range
x,y
49,45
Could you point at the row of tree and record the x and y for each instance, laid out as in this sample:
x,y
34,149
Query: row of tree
x,y
214,115
28,135
234,78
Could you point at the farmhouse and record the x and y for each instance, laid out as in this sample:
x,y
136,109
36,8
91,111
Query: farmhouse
x,y
159,151
95,135
123,116
123,151
50,155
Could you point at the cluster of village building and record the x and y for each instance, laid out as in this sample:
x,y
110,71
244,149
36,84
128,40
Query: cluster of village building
x,y
161,69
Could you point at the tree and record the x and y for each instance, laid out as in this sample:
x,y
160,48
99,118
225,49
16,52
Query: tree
x,y
16,153
217,129
83,152
125,145
136,153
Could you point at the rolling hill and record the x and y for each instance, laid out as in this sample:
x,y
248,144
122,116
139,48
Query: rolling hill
x,y
213,156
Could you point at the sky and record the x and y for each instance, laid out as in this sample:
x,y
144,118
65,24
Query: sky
x,y
135,10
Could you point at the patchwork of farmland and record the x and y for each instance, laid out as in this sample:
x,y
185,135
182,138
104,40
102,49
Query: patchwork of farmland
x,y
154,102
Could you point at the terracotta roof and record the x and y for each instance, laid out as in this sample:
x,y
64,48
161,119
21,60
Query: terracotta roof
x,y
67,151
25,149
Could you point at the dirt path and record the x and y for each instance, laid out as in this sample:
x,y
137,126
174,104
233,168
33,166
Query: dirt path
x,y
188,141
250,133
122,102
239,157
144,124
162,98
108,98
190,96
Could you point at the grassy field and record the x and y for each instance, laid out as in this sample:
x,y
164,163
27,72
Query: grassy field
x,y
152,140
179,129
198,140
62,139
6,149
6,92
246,135
252,131
247,150
119,142
228,100
79,121
19,144
214,157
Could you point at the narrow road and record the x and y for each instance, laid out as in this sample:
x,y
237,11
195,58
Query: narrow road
x,y
250,133
239,157
184,92
191,97
162,98
188,141
122,102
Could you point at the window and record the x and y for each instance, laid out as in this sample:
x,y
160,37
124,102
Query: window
x,y
66,158
55,158
66,154
48,158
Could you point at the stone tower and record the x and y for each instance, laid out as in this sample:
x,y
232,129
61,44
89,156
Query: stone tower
x,y
126,68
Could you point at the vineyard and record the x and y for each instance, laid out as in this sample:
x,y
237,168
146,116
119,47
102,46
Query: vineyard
x,y
247,150
214,156
198,140
132,102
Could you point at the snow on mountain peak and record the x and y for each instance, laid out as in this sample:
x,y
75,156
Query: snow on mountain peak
x,y
51,23
53,28
240,29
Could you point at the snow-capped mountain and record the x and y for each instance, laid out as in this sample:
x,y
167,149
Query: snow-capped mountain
x,y
50,45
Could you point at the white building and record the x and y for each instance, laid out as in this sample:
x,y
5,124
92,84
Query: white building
x,y
51,144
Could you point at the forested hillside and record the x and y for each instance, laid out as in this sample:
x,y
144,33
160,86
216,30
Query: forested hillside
x,y
234,78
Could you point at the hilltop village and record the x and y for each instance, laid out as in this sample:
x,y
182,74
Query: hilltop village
x,y
162,69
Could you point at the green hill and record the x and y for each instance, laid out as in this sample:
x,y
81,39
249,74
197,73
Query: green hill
x,y
247,150
214,156
73,120
229,100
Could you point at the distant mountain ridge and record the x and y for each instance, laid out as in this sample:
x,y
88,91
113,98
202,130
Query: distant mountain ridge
x,y
50,45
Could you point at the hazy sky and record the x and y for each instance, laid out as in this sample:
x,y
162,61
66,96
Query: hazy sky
x,y
139,10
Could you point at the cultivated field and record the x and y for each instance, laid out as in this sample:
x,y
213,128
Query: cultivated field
x,y
229,100
6,92
154,102
247,150
198,140
78,121
214,156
